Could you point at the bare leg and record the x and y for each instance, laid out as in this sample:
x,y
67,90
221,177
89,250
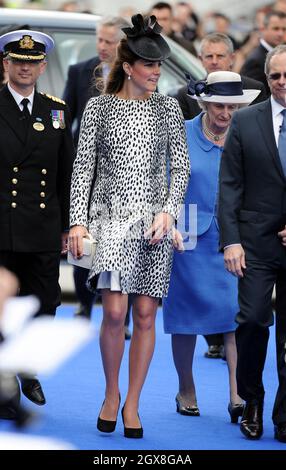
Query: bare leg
x,y
112,347
140,354
183,347
231,359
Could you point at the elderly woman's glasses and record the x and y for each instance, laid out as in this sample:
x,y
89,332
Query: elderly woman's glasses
x,y
276,75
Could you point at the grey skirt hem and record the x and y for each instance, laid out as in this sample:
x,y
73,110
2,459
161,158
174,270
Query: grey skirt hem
x,y
110,280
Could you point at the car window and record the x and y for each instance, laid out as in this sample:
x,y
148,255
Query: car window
x,y
173,72
186,61
73,47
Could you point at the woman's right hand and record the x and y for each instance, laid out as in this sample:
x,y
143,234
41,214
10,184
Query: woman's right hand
x,y
76,235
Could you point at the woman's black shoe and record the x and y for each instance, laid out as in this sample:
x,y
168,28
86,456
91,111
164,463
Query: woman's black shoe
x,y
235,411
186,410
105,425
133,433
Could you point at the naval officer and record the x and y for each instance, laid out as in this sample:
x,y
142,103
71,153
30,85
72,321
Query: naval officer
x,y
36,156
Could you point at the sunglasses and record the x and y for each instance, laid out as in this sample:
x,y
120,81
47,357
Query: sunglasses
x,y
276,75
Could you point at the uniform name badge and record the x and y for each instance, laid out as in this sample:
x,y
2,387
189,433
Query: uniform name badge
x,y
58,118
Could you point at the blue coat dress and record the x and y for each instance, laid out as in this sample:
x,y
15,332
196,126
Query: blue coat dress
x,y
202,297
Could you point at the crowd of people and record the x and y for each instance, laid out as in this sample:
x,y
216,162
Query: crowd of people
x,y
123,177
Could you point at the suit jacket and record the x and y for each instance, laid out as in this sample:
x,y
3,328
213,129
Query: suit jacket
x,y
252,201
79,89
254,66
191,108
35,172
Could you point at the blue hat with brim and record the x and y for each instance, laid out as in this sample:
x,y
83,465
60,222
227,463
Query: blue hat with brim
x,y
25,45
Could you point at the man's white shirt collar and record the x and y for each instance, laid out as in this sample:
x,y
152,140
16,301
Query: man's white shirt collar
x,y
18,98
266,45
277,117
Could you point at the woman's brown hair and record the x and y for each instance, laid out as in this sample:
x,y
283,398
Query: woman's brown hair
x,y
116,75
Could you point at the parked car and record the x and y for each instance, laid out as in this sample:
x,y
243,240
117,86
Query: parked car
x,y
74,35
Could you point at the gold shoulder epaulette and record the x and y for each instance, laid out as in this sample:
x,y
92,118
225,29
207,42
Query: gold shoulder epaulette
x,y
54,98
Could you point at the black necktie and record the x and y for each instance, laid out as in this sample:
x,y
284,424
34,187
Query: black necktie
x,y
282,142
25,113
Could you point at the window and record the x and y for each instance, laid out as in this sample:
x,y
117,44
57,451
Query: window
x,y
73,47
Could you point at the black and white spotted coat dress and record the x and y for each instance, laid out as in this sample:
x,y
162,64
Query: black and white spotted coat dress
x,y
138,150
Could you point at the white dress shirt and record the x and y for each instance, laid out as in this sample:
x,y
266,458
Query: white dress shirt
x,y
277,117
18,98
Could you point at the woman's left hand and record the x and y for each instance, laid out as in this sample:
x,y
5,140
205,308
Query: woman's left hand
x,y
76,235
178,242
161,225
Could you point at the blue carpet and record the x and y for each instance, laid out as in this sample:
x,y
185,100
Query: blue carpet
x,y
75,393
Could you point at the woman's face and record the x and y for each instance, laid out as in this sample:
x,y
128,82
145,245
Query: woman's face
x,y
145,75
220,114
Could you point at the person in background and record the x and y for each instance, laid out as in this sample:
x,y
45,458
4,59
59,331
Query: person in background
x,y
188,20
272,34
216,53
80,86
164,14
82,78
218,22
69,6
280,5
135,137
252,224
202,299
36,161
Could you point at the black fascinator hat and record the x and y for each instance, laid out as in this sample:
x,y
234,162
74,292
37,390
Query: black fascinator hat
x,y
145,40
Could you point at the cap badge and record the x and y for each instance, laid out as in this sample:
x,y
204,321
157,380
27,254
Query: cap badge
x,y
26,42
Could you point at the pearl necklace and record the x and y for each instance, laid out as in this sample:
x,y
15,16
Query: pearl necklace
x,y
209,134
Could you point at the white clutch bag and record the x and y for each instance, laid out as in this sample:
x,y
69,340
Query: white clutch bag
x,y
88,254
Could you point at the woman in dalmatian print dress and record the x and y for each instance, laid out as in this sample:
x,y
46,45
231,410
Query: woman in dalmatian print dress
x,y
131,137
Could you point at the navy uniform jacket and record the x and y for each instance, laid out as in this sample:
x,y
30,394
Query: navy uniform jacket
x,y
35,172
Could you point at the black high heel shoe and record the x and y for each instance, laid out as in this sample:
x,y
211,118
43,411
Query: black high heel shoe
x,y
105,425
186,410
235,411
133,433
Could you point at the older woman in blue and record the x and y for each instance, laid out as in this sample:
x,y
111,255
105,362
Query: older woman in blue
x,y
202,297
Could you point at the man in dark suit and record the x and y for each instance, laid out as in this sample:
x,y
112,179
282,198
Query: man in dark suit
x,y
37,152
252,218
82,84
272,34
216,53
